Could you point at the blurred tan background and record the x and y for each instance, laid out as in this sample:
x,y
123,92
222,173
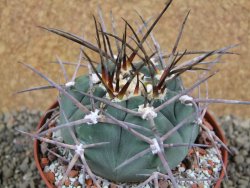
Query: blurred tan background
x,y
211,25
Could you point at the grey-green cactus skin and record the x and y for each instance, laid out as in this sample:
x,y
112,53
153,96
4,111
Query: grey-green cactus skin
x,y
123,145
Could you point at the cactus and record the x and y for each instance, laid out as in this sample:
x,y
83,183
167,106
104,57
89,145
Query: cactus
x,y
122,144
137,86
129,119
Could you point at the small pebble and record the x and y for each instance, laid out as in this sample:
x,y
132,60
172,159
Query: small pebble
x,y
44,162
7,172
239,159
67,182
73,173
50,176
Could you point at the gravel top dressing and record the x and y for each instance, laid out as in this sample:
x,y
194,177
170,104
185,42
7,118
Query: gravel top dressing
x,y
18,167
209,169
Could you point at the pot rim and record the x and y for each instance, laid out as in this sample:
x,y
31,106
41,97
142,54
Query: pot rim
x,y
217,129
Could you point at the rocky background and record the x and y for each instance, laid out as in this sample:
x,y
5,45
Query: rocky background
x,y
18,169
212,24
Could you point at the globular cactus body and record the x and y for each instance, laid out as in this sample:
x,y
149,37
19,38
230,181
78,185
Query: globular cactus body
x,y
123,145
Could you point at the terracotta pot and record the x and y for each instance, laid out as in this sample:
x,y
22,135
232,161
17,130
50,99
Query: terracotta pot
x,y
37,148
208,117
